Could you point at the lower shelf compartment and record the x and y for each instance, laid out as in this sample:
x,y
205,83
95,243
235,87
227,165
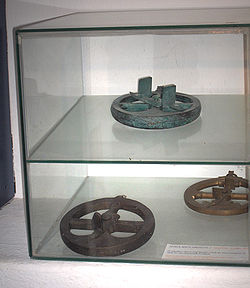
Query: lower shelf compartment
x,y
226,237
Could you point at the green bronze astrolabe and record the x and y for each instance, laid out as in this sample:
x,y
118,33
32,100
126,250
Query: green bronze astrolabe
x,y
160,109
101,241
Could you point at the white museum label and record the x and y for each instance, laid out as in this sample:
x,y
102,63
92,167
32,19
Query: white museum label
x,y
205,253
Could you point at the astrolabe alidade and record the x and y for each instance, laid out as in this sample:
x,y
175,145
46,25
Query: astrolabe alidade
x,y
102,241
160,109
221,201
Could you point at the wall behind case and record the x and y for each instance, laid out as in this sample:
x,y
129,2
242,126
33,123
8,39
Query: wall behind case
x,y
189,61
7,188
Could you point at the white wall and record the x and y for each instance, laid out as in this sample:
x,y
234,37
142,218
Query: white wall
x,y
191,62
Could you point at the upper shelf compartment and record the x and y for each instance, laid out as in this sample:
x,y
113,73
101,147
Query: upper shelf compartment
x,y
72,68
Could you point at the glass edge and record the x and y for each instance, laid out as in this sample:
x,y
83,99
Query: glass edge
x,y
22,140
127,261
168,27
241,163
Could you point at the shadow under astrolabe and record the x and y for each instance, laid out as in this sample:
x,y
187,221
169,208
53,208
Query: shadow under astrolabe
x,y
101,242
222,201
160,109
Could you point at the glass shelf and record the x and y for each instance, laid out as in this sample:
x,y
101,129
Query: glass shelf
x,y
89,133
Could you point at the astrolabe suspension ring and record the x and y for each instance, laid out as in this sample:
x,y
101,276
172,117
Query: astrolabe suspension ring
x,y
160,109
102,241
221,201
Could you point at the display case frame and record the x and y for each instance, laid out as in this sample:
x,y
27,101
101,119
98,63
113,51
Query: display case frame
x,y
37,155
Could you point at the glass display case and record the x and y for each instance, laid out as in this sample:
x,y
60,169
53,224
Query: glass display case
x,y
135,136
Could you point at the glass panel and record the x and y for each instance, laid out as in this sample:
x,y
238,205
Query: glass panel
x,y
52,83
247,84
146,18
51,191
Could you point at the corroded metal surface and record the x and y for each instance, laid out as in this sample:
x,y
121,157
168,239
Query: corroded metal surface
x,y
159,109
222,200
101,242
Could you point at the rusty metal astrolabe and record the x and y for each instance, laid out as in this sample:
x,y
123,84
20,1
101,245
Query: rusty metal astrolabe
x,y
101,242
222,200
160,109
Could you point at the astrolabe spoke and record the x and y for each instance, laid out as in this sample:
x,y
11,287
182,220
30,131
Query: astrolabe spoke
x,y
135,107
129,226
81,224
202,195
209,195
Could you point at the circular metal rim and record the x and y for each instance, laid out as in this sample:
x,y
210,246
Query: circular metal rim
x,y
191,203
164,120
140,238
